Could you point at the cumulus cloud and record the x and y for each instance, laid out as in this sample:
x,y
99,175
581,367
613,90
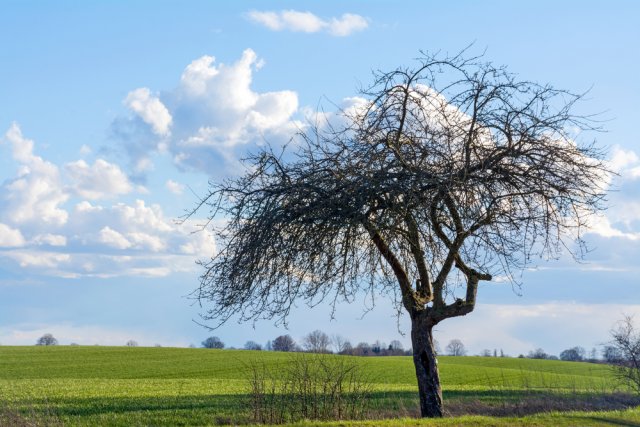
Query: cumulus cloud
x,y
625,162
621,220
10,237
36,194
112,238
214,113
307,22
98,181
41,229
150,109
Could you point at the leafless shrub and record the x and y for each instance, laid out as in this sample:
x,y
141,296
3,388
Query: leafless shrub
x,y
310,386
626,342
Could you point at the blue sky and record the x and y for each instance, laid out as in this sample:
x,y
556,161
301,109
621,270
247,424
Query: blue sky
x,y
114,115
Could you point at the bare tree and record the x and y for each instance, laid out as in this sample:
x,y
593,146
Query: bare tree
x,y
252,345
316,342
395,348
449,173
132,343
340,344
47,339
456,348
283,343
538,353
213,342
362,349
611,354
626,344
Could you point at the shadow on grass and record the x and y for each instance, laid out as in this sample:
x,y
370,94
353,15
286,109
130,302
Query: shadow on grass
x,y
236,409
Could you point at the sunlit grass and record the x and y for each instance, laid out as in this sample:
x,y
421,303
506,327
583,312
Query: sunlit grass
x,y
78,385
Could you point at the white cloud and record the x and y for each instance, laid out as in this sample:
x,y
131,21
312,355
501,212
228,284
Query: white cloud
x,y
35,196
601,225
50,239
521,328
347,24
112,238
40,259
175,187
98,181
67,333
10,237
307,22
215,113
148,241
150,109
624,162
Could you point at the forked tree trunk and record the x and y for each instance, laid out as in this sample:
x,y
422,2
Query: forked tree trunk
x,y
424,359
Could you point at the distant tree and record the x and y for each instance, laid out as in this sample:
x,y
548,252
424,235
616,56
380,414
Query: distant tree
x,y
395,348
436,347
538,353
377,348
593,355
362,349
502,353
495,352
213,342
132,343
283,343
626,342
347,348
611,354
340,344
574,354
485,353
252,345
447,174
456,348
157,345
316,342
47,339
74,344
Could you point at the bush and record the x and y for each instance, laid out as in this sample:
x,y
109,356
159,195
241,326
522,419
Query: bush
x,y
283,343
626,342
213,342
575,354
47,339
310,386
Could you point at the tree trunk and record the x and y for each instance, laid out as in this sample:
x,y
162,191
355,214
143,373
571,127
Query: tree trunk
x,y
424,359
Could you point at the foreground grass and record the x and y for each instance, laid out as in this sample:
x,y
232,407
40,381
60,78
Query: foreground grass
x,y
629,417
171,386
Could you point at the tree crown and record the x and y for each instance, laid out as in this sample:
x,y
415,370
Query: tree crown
x,y
443,175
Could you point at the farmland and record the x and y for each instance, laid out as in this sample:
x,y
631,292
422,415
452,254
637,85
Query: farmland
x,y
76,385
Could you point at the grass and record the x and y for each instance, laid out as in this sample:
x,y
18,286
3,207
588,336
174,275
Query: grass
x,y
76,385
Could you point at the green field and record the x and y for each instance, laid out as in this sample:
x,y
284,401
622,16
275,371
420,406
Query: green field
x,y
78,385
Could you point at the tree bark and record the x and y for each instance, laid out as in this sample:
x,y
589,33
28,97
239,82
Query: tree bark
x,y
426,363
